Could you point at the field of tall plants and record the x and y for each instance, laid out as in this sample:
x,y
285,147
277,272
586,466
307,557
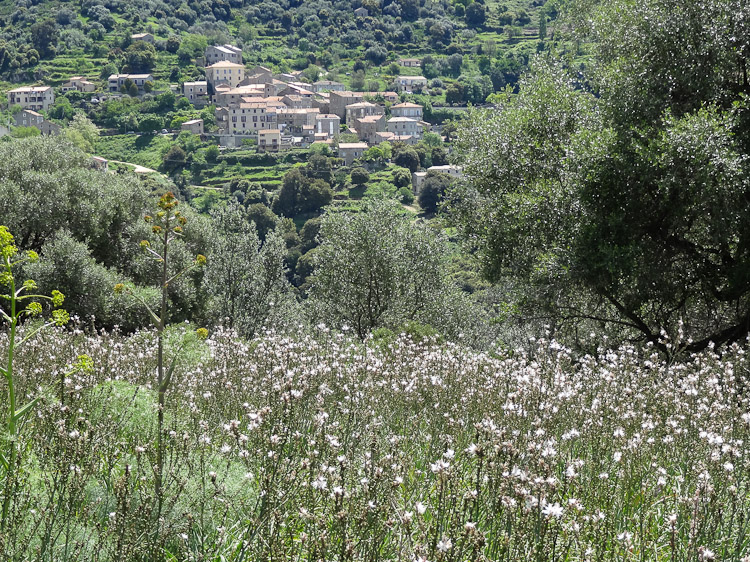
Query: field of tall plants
x,y
321,447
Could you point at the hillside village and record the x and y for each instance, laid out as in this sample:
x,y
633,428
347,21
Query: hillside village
x,y
374,280
277,111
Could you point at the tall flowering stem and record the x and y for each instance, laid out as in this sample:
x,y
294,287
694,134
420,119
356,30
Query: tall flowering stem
x,y
167,225
21,302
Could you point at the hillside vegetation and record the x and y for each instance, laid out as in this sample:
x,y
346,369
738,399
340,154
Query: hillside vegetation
x,y
52,40
539,355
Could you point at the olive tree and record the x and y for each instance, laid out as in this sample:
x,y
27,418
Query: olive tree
x,y
246,277
377,268
626,208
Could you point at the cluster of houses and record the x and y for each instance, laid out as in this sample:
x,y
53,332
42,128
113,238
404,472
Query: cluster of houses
x,y
277,110
281,111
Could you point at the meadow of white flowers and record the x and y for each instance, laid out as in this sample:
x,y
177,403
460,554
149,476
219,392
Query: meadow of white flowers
x,y
321,448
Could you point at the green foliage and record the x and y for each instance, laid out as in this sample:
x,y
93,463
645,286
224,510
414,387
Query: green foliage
x,y
140,57
406,157
406,195
378,153
360,176
168,225
25,132
134,407
401,177
433,189
82,132
44,37
61,109
376,269
383,403
67,264
49,186
246,276
319,167
191,46
301,194
309,234
174,158
263,218
150,123
19,300
623,209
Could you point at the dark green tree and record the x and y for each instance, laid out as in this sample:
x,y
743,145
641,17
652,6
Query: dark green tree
x,y
476,14
263,218
44,37
140,57
300,194
407,158
319,167
402,177
62,109
433,189
360,176
174,158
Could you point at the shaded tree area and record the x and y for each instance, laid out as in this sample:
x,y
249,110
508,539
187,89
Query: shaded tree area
x,y
627,210
304,191
433,189
87,227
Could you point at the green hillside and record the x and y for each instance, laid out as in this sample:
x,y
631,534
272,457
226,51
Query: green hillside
x,y
49,41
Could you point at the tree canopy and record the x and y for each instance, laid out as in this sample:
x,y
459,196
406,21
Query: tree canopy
x,y
619,195
376,268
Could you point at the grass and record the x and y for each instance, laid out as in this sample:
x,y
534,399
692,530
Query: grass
x,y
145,150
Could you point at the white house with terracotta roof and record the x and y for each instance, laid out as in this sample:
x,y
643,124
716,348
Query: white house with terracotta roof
x,y
116,81
28,118
410,63
407,109
36,98
247,118
455,172
362,109
269,140
350,151
327,86
328,124
295,120
194,126
410,83
228,97
405,126
145,37
196,92
79,84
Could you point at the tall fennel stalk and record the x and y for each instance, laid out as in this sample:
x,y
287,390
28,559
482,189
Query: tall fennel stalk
x,y
21,302
167,225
